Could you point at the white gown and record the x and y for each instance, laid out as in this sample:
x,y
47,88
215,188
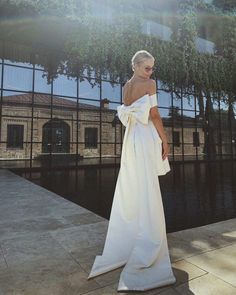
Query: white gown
x,y
136,235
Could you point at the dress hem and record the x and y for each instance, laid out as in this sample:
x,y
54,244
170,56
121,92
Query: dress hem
x,y
153,286
106,269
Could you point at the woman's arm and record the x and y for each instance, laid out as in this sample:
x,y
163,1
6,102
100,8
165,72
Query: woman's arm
x,y
157,121
125,94
155,115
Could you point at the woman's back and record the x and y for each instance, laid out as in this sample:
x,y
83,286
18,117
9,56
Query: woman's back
x,y
135,89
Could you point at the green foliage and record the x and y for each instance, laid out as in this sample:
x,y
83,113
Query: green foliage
x,y
104,49
78,41
225,4
60,8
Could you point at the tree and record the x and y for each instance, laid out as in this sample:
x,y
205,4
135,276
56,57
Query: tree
x,y
225,5
174,112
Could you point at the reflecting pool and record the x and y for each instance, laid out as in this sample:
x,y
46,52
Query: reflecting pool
x,y
194,194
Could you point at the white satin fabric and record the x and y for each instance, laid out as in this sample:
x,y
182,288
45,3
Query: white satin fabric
x,y
136,235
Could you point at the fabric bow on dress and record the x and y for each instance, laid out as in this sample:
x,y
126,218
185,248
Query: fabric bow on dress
x,y
138,112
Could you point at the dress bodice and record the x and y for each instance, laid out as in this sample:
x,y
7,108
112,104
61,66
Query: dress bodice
x,y
138,110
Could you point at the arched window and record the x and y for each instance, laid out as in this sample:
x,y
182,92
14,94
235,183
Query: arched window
x,y
56,137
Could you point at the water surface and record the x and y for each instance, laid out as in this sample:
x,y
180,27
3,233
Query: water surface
x,y
193,194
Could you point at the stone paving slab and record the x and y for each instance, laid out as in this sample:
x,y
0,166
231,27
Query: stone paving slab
x,y
220,262
203,238
48,245
206,285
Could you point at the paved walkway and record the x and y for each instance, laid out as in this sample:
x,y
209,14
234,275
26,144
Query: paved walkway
x,y
48,245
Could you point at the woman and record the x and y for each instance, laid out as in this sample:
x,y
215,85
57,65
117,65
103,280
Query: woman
x,y
136,235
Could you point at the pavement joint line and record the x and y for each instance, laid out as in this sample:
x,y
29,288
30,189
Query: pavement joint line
x,y
212,275
77,262
2,253
234,286
99,288
218,248
109,284
73,258
169,289
68,252
204,251
207,272
182,283
196,266
176,292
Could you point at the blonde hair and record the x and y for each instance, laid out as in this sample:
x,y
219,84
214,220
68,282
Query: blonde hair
x,y
139,56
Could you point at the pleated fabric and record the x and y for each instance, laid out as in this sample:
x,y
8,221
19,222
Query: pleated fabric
x,y
136,236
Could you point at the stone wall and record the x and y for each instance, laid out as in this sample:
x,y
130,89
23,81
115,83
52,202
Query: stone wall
x,y
87,118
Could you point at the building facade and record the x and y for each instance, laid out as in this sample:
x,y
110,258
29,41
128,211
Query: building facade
x,y
75,126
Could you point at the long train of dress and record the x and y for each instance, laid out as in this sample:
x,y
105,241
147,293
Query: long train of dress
x,y
136,236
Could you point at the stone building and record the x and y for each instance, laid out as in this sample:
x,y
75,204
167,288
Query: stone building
x,y
61,126
57,127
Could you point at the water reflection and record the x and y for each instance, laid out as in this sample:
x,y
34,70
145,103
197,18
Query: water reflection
x,y
88,91
113,93
29,99
41,84
194,194
16,78
65,86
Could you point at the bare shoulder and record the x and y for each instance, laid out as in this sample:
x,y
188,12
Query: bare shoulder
x,y
128,82
126,85
151,82
126,88
152,86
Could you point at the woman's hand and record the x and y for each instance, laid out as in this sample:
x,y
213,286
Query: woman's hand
x,y
165,149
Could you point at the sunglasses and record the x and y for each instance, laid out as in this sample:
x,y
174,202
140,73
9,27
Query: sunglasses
x,y
148,69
